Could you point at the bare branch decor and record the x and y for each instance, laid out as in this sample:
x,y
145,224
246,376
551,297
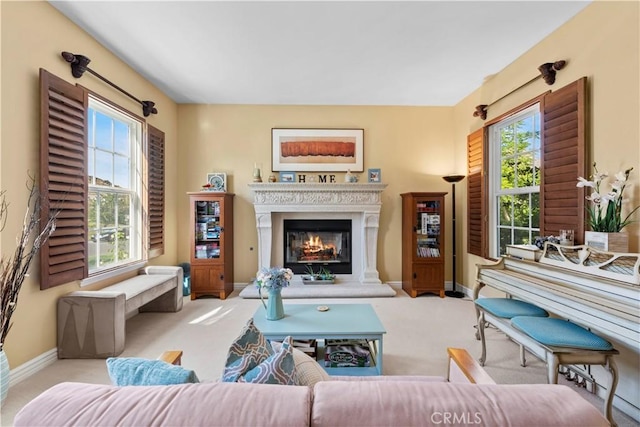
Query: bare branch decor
x,y
14,270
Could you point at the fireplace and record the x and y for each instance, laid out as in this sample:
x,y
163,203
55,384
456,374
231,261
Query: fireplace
x,y
317,243
356,203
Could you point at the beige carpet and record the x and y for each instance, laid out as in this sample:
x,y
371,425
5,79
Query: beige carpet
x,y
418,332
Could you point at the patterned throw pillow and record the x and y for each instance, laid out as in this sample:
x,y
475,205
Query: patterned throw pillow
x,y
278,368
137,371
246,352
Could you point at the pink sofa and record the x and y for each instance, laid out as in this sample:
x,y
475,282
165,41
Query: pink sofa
x,y
374,402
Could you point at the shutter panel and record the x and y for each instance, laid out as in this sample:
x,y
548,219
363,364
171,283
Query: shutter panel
x,y
63,179
155,176
563,160
476,194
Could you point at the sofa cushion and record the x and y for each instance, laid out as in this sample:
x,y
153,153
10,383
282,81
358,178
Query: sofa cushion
x,y
247,351
279,368
125,371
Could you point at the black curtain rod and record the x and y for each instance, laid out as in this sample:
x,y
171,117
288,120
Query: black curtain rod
x,y
79,64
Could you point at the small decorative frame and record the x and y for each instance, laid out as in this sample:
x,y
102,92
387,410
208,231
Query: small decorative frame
x,y
287,177
217,181
374,175
317,150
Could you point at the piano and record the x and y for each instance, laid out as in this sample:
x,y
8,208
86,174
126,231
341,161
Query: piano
x,y
597,290
594,289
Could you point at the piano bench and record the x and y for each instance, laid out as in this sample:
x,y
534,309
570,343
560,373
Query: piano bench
x,y
505,308
558,342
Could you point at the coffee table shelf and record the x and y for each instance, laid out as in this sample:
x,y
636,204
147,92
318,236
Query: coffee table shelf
x,y
341,321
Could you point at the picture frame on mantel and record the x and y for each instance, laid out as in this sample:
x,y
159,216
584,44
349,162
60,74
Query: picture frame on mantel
x,y
317,150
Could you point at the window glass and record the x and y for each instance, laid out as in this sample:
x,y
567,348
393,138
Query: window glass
x,y
115,191
514,145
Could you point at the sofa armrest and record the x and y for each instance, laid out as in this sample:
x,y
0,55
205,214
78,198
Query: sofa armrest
x,y
173,357
464,368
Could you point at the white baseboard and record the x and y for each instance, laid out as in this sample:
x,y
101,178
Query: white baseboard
x,y
24,371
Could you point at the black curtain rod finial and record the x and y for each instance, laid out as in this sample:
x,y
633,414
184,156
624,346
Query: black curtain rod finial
x,y
148,107
79,63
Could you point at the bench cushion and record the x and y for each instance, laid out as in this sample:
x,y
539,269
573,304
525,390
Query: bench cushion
x,y
560,333
508,308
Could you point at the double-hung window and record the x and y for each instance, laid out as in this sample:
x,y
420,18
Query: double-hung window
x,y
514,180
114,152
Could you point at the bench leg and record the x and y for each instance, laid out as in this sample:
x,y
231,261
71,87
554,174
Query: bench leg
x,y
523,360
612,383
480,331
552,368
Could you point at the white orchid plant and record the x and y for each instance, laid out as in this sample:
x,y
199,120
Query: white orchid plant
x,y
605,214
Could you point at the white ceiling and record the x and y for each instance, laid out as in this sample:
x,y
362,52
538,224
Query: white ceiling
x,y
317,53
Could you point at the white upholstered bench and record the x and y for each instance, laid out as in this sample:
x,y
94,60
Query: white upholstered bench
x,y
91,324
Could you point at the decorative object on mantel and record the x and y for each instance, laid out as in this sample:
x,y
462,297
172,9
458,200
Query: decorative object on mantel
x,y
257,177
14,270
619,266
374,175
605,214
349,177
273,280
547,73
79,64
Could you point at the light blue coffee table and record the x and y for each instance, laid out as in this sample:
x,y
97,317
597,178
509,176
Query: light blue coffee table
x,y
341,321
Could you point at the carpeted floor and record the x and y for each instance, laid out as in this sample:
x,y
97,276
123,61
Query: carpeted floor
x,y
419,330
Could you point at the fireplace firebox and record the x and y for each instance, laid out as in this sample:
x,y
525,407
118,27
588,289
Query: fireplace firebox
x,y
317,243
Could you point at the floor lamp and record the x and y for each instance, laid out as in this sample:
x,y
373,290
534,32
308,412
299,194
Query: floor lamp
x,y
453,179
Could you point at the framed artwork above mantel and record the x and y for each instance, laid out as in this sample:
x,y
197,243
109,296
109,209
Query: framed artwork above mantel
x,y
317,150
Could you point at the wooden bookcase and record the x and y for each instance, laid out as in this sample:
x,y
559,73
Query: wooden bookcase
x,y
423,249
211,243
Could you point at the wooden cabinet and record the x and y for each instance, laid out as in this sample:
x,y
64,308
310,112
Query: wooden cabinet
x,y
211,243
423,250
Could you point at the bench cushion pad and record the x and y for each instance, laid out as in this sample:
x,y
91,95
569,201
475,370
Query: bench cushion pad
x,y
560,333
508,308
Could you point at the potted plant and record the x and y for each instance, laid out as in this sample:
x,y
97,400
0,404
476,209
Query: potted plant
x,y
321,277
605,213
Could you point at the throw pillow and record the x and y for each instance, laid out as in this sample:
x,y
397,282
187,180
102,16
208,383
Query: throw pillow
x,y
137,371
278,368
246,352
308,371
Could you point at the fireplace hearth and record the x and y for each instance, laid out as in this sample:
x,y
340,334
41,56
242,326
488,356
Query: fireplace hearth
x,y
357,203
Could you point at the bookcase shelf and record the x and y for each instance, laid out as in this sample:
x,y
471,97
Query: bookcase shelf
x,y
423,245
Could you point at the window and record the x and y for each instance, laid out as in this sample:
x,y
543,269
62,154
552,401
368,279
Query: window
x,y
114,177
514,180
541,159
104,175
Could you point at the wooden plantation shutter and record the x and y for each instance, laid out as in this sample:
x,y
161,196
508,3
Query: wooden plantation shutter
x,y
63,179
563,160
155,176
476,194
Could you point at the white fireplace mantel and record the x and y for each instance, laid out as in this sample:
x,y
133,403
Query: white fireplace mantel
x,y
274,202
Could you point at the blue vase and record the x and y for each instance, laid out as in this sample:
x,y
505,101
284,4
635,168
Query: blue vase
x,y
275,309
4,376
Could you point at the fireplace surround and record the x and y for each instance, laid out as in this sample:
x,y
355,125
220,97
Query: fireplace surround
x,y
358,202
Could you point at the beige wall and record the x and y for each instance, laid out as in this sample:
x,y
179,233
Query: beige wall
x,y
33,35
411,145
602,43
